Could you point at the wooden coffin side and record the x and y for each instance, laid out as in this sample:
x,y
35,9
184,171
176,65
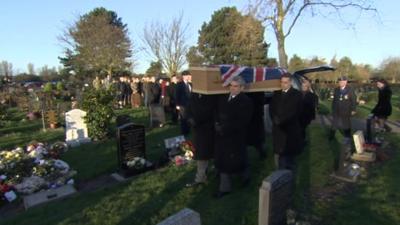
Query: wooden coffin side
x,y
206,80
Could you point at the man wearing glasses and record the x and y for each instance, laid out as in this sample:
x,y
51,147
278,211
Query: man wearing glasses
x,y
233,117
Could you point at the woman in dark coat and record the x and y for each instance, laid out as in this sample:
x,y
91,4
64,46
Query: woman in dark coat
x,y
310,102
383,108
256,131
201,114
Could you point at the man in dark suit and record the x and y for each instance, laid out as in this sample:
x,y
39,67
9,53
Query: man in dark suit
x,y
285,109
182,95
343,107
234,113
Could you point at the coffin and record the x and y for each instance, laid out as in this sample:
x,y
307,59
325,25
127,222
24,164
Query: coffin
x,y
207,80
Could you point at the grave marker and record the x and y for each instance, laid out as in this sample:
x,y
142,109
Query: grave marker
x,y
275,198
76,128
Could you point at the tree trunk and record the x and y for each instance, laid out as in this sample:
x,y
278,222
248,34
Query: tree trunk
x,y
283,62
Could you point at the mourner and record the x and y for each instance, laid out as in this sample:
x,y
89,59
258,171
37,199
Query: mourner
x,y
285,109
343,107
383,108
256,131
170,95
201,117
310,103
233,117
182,95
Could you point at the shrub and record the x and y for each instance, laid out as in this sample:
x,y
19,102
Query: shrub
x,y
99,112
48,87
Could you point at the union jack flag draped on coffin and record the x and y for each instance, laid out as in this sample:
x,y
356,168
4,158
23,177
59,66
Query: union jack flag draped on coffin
x,y
250,74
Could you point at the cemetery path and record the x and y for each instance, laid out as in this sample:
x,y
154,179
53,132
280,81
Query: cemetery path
x,y
357,123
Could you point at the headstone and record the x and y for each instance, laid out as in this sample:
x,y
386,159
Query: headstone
x,y
360,154
184,217
275,198
174,141
370,130
76,129
48,195
172,145
344,170
359,141
157,115
130,144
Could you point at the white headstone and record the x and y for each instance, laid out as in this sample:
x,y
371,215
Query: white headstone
x,y
184,217
359,141
76,129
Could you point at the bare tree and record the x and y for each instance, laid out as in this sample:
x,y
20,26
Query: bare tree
x,y
6,69
31,68
283,15
167,43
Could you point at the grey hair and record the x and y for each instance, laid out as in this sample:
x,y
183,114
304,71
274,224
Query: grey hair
x,y
240,80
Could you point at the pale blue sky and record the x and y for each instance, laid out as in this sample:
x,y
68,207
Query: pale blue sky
x,y
29,29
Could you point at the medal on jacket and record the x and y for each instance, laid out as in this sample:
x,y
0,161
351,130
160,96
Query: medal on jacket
x,y
346,97
341,98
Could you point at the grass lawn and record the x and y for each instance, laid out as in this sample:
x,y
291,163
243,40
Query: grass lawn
x,y
153,196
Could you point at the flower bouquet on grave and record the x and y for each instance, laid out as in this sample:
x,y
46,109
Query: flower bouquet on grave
x,y
7,193
137,163
188,150
57,149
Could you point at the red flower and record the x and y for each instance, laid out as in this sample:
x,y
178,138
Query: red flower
x,y
4,188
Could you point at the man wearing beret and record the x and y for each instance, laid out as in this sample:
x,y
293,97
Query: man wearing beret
x,y
343,107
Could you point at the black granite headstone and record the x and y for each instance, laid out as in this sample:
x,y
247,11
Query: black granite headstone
x,y
130,144
276,197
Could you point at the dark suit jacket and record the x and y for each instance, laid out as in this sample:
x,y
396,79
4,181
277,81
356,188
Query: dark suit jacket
x,y
182,94
285,110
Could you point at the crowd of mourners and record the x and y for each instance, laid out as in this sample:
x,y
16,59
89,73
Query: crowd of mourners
x,y
222,126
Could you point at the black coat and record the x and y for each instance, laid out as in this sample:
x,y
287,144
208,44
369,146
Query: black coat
x,y
170,93
310,102
201,114
285,110
154,93
256,131
383,108
182,94
344,102
233,118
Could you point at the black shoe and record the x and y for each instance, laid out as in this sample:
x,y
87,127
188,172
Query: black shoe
x,y
194,184
220,194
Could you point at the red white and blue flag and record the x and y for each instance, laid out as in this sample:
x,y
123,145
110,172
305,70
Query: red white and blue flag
x,y
250,74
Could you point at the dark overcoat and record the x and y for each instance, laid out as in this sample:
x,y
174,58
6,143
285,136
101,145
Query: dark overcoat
x,y
256,131
310,102
344,102
285,110
201,111
182,94
383,108
154,93
233,118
